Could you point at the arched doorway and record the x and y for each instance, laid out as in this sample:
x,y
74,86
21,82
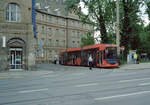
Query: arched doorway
x,y
16,50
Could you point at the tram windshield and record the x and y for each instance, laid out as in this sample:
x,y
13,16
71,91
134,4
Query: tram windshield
x,y
111,53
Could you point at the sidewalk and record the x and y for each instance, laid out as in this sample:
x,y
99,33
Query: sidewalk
x,y
140,66
51,69
22,74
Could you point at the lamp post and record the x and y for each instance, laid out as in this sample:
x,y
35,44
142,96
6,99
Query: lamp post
x,y
117,29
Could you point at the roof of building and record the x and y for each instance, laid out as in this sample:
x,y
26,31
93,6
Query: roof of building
x,y
55,8
66,17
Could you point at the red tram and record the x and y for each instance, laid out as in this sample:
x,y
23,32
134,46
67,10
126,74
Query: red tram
x,y
104,55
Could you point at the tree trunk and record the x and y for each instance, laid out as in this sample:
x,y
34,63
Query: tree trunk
x,y
126,30
102,28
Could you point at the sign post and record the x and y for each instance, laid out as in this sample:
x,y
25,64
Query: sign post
x,y
3,41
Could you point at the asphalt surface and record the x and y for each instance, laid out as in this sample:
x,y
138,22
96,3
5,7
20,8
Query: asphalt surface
x,y
67,85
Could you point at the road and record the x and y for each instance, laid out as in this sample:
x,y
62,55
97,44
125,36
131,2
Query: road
x,y
78,86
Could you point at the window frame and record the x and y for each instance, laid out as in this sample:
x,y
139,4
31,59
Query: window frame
x,y
13,12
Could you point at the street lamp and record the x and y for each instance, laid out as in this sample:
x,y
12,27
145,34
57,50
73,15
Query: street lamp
x,y
117,29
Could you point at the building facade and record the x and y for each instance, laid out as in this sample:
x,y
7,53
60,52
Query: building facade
x,y
57,29
57,32
16,35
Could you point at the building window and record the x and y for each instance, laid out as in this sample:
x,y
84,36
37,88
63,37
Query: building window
x,y
57,43
78,23
13,12
50,54
49,18
50,42
72,22
50,31
63,43
42,16
78,44
57,32
43,29
73,43
43,41
63,21
63,32
73,33
78,34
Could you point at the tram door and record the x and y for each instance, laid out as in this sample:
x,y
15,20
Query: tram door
x,y
100,58
16,58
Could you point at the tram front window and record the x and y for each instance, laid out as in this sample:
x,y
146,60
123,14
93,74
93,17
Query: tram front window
x,y
111,53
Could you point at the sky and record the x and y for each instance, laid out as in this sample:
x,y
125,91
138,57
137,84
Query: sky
x,y
144,16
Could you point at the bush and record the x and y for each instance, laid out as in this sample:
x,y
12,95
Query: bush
x,y
122,60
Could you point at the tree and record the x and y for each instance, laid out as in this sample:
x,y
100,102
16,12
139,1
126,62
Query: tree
x,y
144,40
88,39
145,34
100,13
147,2
130,24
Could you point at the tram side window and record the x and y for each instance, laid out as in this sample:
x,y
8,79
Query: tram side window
x,y
111,53
69,57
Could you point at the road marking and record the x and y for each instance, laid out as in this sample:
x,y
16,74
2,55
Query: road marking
x,y
37,90
84,85
144,84
123,95
46,76
77,74
132,80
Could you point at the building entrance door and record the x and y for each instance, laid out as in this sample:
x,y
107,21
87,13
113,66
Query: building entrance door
x,y
16,58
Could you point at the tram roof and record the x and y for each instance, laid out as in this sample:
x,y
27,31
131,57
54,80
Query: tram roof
x,y
88,47
71,50
98,46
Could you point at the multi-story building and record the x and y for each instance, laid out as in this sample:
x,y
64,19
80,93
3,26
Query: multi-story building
x,y
16,35
56,30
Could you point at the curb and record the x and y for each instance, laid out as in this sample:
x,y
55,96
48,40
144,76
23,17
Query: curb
x,y
14,75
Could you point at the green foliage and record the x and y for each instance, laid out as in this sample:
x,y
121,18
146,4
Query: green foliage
x,y
112,37
145,40
130,26
100,14
88,39
148,8
144,33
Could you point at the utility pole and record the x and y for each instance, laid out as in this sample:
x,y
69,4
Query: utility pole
x,y
118,29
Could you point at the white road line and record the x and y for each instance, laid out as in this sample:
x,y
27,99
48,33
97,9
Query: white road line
x,y
84,85
46,76
123,95
37,90
77,74
132,80
144,84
